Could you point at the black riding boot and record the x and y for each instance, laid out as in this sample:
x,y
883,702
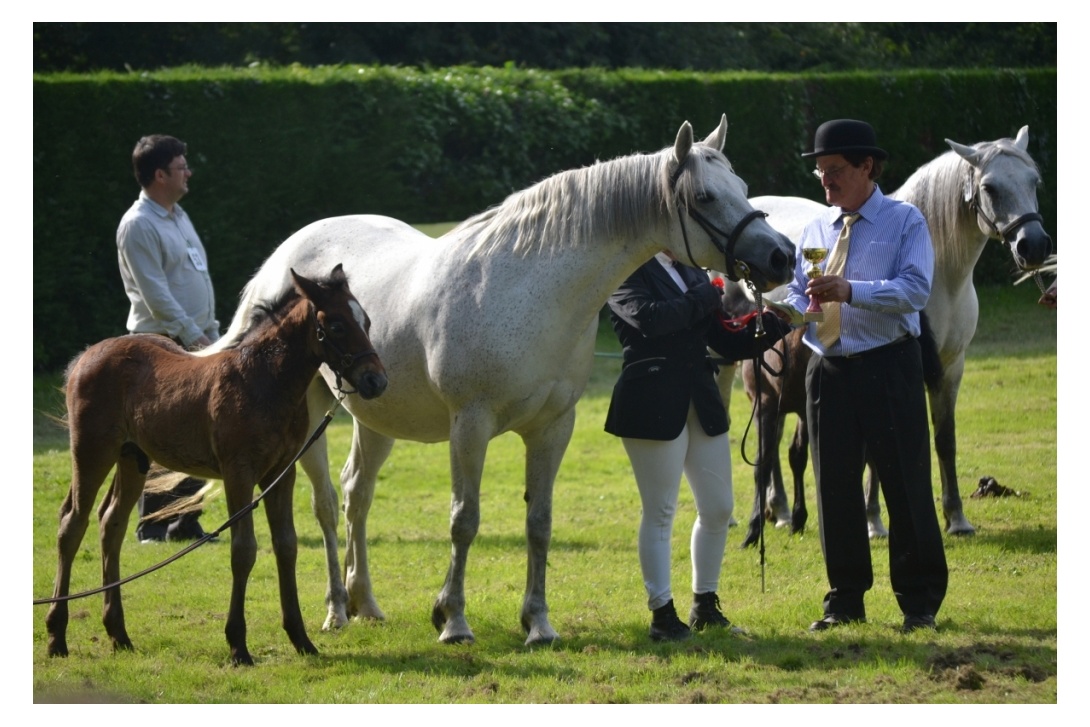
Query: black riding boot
x,y
666,626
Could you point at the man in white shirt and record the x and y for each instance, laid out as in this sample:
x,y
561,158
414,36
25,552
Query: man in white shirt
x,y
164,269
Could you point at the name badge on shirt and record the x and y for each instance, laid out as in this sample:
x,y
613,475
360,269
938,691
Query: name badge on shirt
x,y
197,260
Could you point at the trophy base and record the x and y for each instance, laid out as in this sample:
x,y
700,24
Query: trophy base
x,y
813,317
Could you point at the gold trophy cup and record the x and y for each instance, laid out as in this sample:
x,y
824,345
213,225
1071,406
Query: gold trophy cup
x,y
815,256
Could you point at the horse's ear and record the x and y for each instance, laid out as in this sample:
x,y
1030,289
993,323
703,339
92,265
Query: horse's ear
x,y
337,277
718,138
1022,140
684,142
967,153
307,288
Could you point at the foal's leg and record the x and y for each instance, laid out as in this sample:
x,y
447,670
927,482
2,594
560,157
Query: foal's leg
x,y
113,515
90,465
471,430
278,510
238,491
544,452
358,481
323,501
798,453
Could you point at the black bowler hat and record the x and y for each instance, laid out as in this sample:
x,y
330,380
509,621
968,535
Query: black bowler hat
x,y
845,135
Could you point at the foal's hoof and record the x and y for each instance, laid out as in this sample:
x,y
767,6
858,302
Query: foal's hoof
x,y
58,648
241,657
307,649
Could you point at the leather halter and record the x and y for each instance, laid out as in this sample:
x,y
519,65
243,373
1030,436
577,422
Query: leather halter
x,y
732,264
339,361
1006,234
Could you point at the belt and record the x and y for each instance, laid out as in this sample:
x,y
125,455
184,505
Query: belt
x,y
871,351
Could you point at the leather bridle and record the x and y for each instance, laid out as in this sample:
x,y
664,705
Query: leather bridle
x,y
338,360
734,268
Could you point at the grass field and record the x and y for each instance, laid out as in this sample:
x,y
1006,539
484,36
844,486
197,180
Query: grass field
x,y
997,640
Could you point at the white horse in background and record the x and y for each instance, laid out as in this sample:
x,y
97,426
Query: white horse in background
x,y
968,195
491,329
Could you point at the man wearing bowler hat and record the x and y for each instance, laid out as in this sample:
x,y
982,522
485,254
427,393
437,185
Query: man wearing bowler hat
x,y
865,388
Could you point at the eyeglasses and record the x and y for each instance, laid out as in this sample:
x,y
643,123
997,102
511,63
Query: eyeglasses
x,y
829,173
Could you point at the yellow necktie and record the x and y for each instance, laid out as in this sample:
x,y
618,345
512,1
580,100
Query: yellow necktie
x,y
828,330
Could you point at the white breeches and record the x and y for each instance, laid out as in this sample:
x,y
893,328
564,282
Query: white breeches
x,y
658,466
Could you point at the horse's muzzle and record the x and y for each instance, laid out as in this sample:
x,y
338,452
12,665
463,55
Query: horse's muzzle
x,y
370,384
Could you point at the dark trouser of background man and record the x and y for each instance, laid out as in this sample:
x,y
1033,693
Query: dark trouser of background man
x,y
179,527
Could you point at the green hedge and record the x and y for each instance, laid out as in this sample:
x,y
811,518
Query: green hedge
x,y
275,149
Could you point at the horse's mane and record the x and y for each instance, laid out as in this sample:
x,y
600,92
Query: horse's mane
x,y
938,190
261,312
572,208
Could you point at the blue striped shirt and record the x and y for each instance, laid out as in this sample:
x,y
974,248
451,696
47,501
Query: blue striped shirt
x,y
890,265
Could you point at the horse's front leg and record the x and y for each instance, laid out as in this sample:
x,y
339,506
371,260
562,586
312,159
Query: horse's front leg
x,y
238,491
469,437
359,478
943,399
544,453
278,510
113,517
323,501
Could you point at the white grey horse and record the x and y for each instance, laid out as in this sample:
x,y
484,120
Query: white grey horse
x,y
491,328
968,195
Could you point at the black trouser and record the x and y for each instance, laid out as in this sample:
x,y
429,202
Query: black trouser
x,y
181,527
875,404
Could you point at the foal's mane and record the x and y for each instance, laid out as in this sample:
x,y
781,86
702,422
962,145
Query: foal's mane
x,y
263,312
938,190
575,207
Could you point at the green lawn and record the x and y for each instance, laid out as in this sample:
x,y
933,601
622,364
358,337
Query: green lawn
x,y
997,640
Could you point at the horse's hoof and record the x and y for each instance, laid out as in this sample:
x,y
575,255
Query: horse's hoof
x,y
542,639
123,644
56,649
958,525
334,622
368,611
877,533
242,658
752,536
307,649
456,638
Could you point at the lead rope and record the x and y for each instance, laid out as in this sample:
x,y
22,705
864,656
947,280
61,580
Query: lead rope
x,y
208,536
758,363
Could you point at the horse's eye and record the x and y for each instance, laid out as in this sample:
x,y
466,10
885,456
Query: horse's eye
x,y
704,197
336,328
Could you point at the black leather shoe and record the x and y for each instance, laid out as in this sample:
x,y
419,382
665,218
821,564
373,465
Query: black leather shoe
x,y
831,621
185,527
917,622
151,531
666,626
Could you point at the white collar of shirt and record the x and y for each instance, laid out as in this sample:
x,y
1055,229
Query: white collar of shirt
x,y
668,265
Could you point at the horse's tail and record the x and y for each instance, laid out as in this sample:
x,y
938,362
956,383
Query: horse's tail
x,y
929,349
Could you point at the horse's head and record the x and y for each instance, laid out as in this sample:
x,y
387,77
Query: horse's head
x,y
341,333
717,226
1002,193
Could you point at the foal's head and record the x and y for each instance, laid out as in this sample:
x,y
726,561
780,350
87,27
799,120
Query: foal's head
x,y
341,327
